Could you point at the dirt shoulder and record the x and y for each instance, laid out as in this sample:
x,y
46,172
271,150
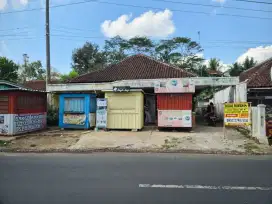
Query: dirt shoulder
x,y
201,140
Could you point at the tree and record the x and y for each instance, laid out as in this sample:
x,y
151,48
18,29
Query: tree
x,y
248,63
141,45
31,70
65,77
179,51
88,58
235,69
114,49
214,64
8,70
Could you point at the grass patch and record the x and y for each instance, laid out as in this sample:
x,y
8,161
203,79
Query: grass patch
x,y
251,147
172,143
3,143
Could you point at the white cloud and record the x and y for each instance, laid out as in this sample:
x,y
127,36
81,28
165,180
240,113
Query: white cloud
x,y
259,53
3,4
16,4
151,24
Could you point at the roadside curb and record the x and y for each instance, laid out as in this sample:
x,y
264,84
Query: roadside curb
x,y
120,150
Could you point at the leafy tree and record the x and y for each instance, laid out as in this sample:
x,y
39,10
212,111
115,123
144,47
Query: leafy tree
x,y
88,58
141,45
115,49
214,64
65,77
180,51
235,69
8,70
31,70
248,63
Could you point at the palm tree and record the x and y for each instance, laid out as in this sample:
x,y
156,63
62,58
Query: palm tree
x,y
214,67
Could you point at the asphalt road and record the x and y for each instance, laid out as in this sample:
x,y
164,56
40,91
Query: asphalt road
x,y
115,178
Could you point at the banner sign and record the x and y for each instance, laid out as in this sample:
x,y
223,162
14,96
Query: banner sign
x,y
174,118
101,113
175,86
121,89
236,114
74,119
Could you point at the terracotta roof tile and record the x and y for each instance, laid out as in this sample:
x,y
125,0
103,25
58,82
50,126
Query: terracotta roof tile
x,y
134,67
258,76
36,85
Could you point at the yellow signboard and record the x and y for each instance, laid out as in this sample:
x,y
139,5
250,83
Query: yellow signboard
x,y
236,114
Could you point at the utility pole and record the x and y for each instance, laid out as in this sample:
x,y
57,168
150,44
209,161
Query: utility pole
x,y
199,44
47,34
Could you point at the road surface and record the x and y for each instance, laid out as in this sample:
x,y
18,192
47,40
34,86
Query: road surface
x,y
134,178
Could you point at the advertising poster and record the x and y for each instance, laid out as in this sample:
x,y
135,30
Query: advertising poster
x,y
236,114
29,122
101,113
3,124
74,119
174,118
175,86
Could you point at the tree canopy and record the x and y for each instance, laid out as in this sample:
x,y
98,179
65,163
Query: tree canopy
x,y
237,68
8,70
179,51
31,70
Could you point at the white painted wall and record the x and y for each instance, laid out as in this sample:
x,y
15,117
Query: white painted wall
x,y
237,93
258,128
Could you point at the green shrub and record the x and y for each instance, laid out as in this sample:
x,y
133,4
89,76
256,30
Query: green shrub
x,y
52,116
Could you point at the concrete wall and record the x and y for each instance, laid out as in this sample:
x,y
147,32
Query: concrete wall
x,y
237,93
258,128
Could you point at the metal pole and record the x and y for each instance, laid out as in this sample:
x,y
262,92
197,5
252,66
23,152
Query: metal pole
x,y
47,30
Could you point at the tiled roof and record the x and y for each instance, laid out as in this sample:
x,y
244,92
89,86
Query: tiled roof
x,y
134,67
258,76
36,84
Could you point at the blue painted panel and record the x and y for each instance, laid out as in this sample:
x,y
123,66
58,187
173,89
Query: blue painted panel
x,y
77,103
93,105
72,104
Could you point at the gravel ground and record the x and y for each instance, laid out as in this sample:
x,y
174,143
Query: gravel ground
x,y
202,139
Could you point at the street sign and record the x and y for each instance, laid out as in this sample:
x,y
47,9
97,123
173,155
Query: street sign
x,y
236,114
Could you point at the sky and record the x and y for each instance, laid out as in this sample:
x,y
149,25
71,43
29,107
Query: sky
x,y
229,30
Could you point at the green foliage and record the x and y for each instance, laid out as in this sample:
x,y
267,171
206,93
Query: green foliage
x,y
180,51
52,116
236,68
31,70
8,70
66,77
214,64
88,58
115,50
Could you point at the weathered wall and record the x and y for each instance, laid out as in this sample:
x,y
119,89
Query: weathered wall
x,y
237,93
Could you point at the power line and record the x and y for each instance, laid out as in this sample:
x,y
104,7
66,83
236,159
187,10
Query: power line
x,y
257,2
11,29
137,6
69,28
214,6
77,36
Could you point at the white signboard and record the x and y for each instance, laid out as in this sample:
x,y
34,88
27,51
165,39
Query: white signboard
x,y
174,118
175,86
101,113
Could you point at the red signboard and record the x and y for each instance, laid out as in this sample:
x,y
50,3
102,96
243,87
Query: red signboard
x,y
269,128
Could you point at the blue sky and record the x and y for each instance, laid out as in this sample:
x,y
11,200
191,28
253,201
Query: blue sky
x,y
223,37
